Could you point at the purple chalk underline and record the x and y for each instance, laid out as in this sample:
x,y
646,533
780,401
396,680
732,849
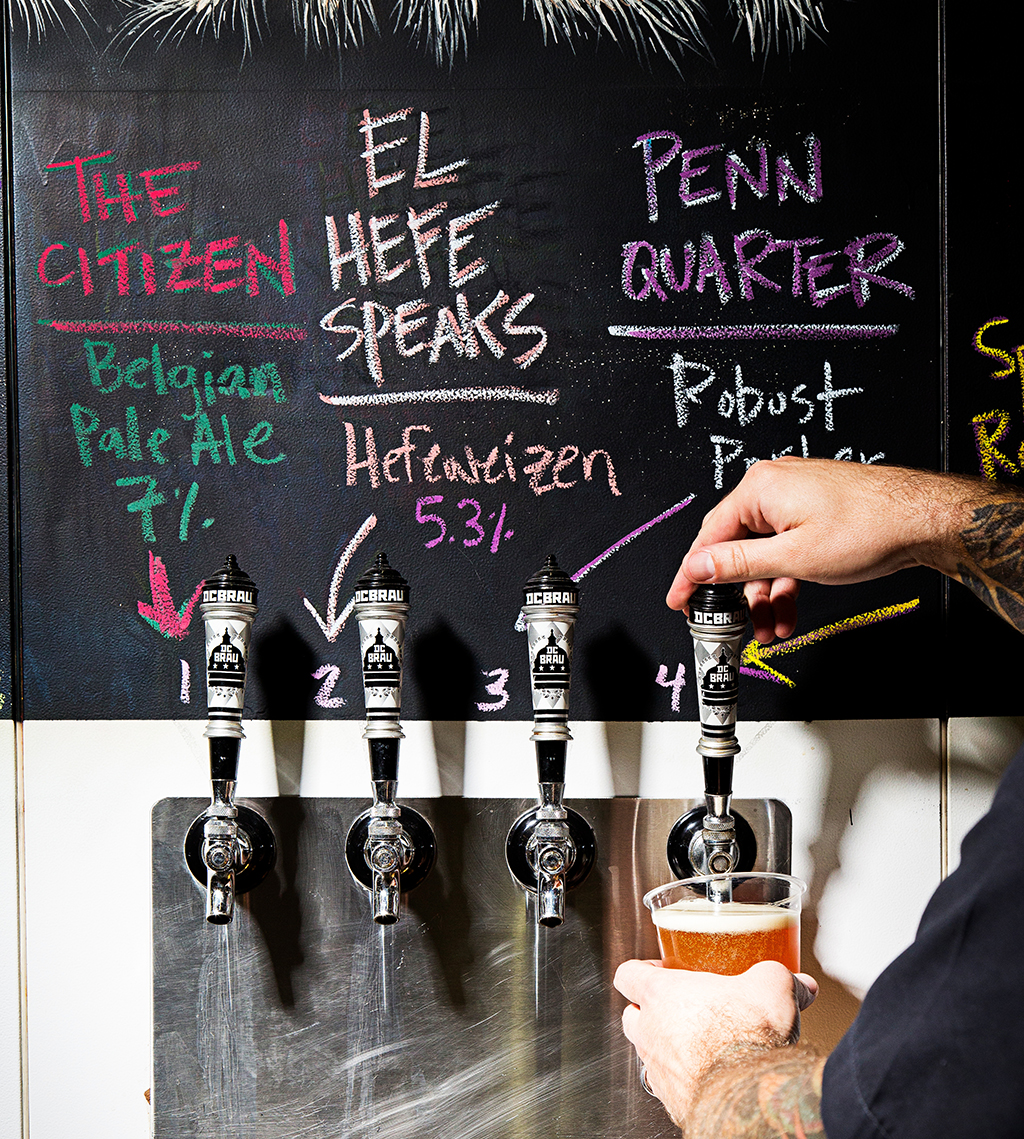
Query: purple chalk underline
x,y
755,331
630,536
170,327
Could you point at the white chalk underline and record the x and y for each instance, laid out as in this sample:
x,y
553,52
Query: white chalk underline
x,y
443,395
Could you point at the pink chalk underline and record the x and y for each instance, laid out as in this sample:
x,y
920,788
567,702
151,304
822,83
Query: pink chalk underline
x,y
165,327
755,331
631,535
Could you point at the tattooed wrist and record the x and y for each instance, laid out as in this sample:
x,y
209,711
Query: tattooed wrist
x,y
994,564
773,1094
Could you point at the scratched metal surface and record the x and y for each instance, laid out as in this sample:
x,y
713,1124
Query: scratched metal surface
x,y
304,1019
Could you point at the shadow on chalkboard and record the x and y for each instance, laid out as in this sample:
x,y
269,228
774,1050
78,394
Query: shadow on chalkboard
x,y
445,672
283,664
617,673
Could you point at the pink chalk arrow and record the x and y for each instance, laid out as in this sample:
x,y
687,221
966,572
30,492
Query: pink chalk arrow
x,y
163,615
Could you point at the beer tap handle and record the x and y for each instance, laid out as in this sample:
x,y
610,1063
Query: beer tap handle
x,y
711,840
390,848
230,848
551,848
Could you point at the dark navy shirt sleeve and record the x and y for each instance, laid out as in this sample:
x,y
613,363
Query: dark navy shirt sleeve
x,y
937,1049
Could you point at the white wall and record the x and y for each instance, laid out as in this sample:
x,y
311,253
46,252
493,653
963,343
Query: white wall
x,y
10,978
89,788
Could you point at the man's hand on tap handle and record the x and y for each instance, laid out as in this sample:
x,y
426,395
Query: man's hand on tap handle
x,y
692,1030
834,522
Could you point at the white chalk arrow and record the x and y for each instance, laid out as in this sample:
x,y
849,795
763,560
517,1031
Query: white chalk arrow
x,y
336,621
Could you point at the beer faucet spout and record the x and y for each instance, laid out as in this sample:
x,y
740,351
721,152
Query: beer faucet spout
x,y
551,853
388,851
222,853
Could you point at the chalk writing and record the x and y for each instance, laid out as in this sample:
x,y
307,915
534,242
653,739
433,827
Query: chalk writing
x,y
561,469
215,267
648,272
726,450
207,440
93,187
734,171
747,403
167,618
421,242
329,674
206,382
751,264
992,428
334,622
151,497
472,522
696,386
496,687
462,330
185,692
754,656
676,683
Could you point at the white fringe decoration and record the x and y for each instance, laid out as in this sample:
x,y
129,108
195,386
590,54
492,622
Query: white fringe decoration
x,y
443,27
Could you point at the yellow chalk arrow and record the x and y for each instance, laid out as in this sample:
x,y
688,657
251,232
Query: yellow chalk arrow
x,y
753,656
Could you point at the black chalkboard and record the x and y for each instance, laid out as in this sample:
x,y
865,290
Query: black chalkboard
x,y
985,326
559,316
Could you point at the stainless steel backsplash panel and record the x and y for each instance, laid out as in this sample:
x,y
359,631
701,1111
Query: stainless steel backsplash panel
x,y
304,1020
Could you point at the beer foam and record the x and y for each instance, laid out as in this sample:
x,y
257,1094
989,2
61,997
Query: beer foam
x,y
697,915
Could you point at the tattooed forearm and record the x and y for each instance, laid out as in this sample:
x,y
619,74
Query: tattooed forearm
x,y
769,1095
994,566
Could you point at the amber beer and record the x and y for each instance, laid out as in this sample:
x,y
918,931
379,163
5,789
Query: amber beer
x,y
728,937
726,923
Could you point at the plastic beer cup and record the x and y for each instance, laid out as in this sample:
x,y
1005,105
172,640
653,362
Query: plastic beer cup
x,y
759,922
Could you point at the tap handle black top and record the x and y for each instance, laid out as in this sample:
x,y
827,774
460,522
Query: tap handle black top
x,y
230,585
551,585
718,608
381,584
